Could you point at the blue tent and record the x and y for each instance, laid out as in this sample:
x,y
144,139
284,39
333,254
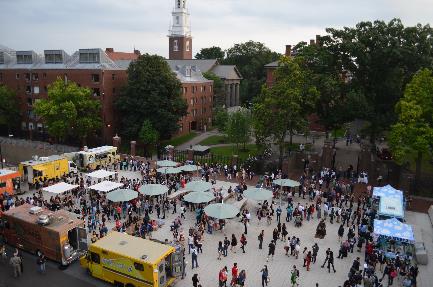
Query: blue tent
x,y
394,229
391,202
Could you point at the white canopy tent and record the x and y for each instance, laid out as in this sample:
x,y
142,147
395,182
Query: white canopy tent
x,y
60,187
106,186
101,173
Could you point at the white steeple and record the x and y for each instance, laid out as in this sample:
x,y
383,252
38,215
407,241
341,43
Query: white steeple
x,y
180,22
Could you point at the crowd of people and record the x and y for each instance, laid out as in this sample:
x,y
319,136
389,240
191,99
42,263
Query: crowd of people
x,y
324,197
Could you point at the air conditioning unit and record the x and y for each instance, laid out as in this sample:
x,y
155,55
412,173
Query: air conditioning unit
x,y
35,210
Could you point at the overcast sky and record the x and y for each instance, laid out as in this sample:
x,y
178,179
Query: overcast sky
x,y
123,24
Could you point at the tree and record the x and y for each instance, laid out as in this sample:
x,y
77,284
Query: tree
x,y
153,93
380,59
250,58
238,128
148,135
69,110
9,109
221,118
283,108
218,88
413,132
211,53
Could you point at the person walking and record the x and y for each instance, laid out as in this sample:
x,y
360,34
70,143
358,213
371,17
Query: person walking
x,y
15,261
194,255
315,252
278,211
265,276
260,238
234,274
331,261
226,246
41,262
222,277
241,278
327,257
243,241
294,275
308,260
195,280
271,251
220,250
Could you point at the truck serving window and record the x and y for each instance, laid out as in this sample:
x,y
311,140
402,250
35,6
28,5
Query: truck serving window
x,y
95,257
138,266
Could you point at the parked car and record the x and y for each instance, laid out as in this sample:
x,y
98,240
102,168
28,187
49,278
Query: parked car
x,y
384,154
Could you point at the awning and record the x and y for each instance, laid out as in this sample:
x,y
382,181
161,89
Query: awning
x,y
60,187
391,201
101,173
394,229
106,186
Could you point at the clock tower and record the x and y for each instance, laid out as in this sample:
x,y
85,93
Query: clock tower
x,y
179,35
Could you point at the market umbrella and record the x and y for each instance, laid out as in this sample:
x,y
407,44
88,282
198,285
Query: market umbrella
x,y
199,197
169,163
258,193
168,170
221,210
286,182
198,185
120,195
153,189
190,167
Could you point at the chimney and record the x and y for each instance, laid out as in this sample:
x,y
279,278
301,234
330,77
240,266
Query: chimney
x,y
137,52
312,42
288,50
109,50
318,42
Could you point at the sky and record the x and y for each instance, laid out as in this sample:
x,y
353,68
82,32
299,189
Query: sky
x,y
143,24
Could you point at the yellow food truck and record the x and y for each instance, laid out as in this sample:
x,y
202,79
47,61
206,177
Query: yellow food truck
x,y
94,158
45,168
129,261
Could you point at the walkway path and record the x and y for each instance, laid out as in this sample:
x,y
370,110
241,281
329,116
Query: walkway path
x,y
197,139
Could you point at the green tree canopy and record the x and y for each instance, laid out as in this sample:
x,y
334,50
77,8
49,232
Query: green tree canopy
x,y
218,88
69,110
9,109
238,127
413,132
379,59
221,118
250,58
211,53
148,134
283,108
153,93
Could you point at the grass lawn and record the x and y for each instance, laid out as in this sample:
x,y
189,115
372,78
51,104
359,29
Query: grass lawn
x,y
213,140
251,149
337,133
181,139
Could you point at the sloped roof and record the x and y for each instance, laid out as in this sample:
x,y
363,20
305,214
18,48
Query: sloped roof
x,y
202,65
118,56
229,72
272,65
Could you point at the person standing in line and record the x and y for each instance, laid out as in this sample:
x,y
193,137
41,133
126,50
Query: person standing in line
x,y
265,276
260,238
195,280
194,255
271,251
15,261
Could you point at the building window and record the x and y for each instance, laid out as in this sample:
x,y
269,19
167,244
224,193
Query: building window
x,y
187,46
177,20
89,57
36,90
175,46
1,76
45,89
17,76
40,127
113,76
2,58
29,102
28,89
114,90
24,59
44,75
53,57
95,78
31,126
27,76
186,90
35,77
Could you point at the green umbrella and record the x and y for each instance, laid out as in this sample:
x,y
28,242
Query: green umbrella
x,y
198,185
120,195
199,197
168,170
166,163
153,189
189,167
286,182
221,210
258,193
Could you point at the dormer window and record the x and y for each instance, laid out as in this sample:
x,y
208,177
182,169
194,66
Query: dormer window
x,y
175,46
89,56
188,72
24,57
53,57
2,57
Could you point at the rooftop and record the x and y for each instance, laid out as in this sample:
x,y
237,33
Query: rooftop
x,y
43,160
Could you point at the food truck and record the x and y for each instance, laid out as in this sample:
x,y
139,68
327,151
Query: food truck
x,y
59,235
125,260
46,168
94,158
9,182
